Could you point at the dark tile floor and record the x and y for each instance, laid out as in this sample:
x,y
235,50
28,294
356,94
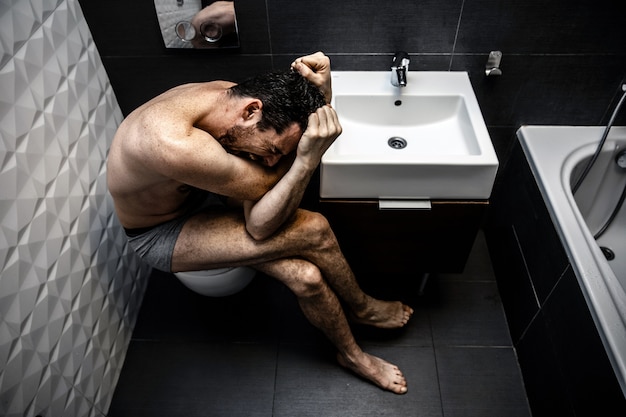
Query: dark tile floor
x,y
254,354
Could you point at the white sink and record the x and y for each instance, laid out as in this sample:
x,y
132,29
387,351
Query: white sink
x,y
447,151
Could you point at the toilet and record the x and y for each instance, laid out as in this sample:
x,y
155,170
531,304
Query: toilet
x,y
217,282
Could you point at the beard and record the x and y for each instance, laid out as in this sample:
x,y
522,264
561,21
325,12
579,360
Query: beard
x,y
235,137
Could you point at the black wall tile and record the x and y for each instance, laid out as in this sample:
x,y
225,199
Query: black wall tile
x,y
519,203
254,36
588,375
537,26
363,26
551,89
136,80
376,62
542,377
503,139
514,284
124,28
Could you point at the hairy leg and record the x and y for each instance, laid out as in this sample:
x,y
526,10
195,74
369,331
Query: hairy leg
x,y
336,270
218,239
322,308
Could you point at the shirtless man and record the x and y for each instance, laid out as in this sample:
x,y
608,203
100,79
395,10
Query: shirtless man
x,y
204,137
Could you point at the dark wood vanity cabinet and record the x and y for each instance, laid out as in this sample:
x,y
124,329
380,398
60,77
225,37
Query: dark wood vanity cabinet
x,y
405,243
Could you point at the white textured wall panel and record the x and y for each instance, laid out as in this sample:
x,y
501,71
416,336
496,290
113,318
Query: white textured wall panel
x,y
70,287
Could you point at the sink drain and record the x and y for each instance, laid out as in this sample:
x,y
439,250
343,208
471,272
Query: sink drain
x,y
397,142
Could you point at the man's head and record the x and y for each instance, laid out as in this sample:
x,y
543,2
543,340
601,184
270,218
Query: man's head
x,y
286,96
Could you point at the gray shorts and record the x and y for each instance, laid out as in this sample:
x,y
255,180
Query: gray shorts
x,y
155,245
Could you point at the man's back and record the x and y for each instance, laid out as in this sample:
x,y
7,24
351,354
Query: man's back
x,y
144,195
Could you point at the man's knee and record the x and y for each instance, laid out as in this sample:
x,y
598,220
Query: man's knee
x,y
317,229
309,280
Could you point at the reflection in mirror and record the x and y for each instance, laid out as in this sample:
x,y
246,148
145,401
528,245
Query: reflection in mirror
x,y
201,24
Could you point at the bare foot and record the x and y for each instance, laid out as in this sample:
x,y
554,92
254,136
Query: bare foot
x,y
378,371
384,314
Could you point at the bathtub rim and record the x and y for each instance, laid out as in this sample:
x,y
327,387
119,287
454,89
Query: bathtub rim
x,y
548,150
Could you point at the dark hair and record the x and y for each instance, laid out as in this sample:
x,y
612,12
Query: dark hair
x,y
287,97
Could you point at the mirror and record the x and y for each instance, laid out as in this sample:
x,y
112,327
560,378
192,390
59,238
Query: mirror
x,y
199,24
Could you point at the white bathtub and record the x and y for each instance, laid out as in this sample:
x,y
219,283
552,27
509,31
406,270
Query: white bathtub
x,y
556,155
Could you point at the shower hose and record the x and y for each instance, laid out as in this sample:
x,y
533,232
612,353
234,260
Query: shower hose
x,y
593,160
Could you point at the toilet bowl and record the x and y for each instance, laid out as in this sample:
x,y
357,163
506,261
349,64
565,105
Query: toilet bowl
x,y
217,282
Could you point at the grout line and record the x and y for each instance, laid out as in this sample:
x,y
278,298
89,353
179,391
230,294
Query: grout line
x,y
275,377
432,341
456,35
521,249
479,346
269,34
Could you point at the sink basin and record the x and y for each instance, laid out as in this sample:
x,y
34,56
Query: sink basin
x,y
427,140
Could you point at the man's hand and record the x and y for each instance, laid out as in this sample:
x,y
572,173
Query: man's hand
x,y
266,216
323,128
316,69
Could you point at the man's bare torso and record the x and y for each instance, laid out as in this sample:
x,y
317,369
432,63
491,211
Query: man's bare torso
x,y
137,177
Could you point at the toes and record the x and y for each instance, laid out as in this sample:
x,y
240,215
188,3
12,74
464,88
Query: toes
x,y
399,387
407,313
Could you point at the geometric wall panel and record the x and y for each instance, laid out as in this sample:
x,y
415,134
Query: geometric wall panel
x,y
70,287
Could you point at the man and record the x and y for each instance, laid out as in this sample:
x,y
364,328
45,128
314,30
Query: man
x,y
175,158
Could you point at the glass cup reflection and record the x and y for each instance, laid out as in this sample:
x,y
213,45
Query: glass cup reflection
x,y
185,31
211,31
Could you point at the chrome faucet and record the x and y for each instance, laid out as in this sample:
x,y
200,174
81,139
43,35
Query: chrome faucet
x,y
399,68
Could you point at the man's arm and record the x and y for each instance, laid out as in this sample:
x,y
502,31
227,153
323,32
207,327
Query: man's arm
x,y
202,162
265,216
316,69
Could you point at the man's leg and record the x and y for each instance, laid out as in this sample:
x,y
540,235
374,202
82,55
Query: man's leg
x,y
327,255
322,308
304,255
219,239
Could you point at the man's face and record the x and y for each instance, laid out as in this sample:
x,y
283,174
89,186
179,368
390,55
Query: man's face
x,y
265,147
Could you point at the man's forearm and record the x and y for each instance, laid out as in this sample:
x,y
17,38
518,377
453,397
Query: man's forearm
x,y
265,216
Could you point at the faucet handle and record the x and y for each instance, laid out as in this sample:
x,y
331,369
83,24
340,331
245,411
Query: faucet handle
x,y
399,68
400,59
493,63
